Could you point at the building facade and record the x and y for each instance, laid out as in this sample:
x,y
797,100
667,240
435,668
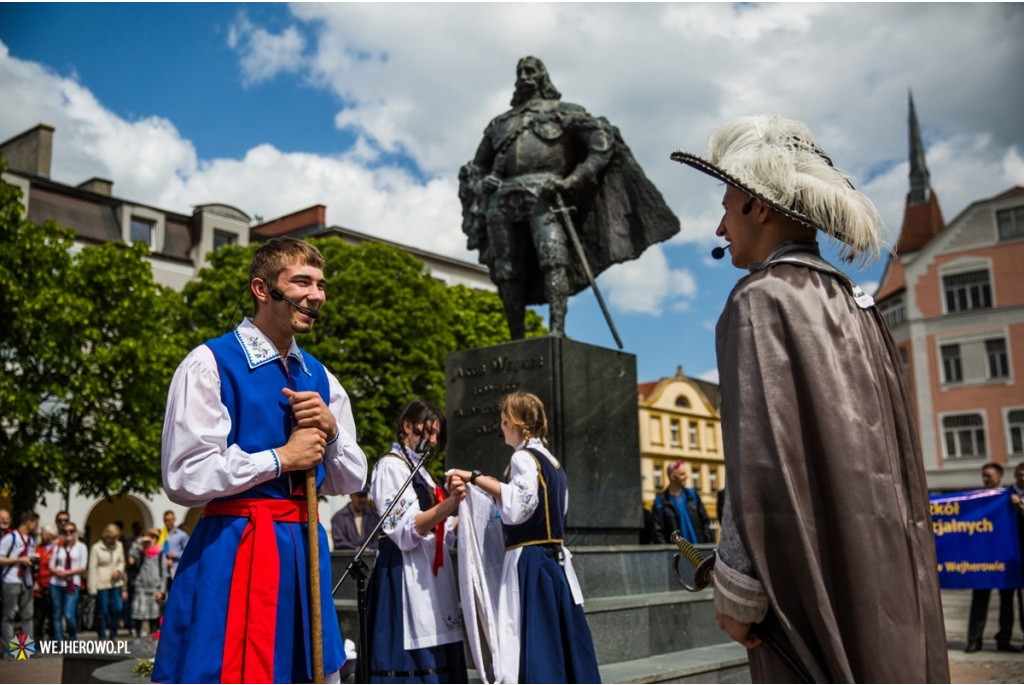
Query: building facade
x,y
179,244
954,302
680,421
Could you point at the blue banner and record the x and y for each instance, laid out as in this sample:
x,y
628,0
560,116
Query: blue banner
x,y
976,540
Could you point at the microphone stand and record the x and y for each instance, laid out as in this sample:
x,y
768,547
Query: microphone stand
x,y
358,569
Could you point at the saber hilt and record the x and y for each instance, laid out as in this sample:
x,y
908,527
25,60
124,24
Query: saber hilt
x,y
704,569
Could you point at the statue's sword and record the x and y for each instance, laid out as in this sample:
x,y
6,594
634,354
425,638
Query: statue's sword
x,y
703,574
571,230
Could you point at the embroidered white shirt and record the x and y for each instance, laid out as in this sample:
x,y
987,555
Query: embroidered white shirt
x,y
199,465
430,603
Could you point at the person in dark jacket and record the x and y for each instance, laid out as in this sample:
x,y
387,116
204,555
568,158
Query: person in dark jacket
x,y
354,521
671,504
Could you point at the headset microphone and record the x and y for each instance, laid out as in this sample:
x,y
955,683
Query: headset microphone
x,y
278,295
718,252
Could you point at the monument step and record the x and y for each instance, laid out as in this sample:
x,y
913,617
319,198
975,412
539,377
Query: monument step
x,y
627,627
724,663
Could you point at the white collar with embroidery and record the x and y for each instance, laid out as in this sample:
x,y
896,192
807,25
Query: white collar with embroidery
x,y
258,348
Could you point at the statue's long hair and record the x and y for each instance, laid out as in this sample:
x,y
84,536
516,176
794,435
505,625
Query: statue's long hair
x,y
547,89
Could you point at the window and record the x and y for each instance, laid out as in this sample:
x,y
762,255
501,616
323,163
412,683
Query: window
x,y
965,436
713,480
694,437
674,432
967,291
222,238
659,477
695,478
1011,223
952,370
1015,420
682,401
712,443
998,364
893,311
141,231
656,430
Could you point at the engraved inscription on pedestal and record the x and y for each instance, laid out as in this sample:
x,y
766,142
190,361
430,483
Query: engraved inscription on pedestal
x,y
591,400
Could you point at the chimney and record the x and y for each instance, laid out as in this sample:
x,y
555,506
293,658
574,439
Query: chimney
x,y
30,152
100,186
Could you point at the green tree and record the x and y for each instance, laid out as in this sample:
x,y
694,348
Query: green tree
x,y
87,359
34,302
479,319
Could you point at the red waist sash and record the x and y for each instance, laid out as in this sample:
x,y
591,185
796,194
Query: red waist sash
x,y
252,602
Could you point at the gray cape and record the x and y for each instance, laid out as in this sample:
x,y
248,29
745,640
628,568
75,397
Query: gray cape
x,y
826,480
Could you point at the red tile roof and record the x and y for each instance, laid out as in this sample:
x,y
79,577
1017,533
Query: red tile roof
x,y
311,216
895,279
647,388
1016,190
921,223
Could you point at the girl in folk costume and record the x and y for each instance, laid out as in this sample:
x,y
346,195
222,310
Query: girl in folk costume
x,y
543,634
414,623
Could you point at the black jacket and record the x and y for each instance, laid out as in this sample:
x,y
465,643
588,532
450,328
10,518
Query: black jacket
x,y
664,525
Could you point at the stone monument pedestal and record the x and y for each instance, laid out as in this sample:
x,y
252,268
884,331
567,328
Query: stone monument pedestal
x,y
590,395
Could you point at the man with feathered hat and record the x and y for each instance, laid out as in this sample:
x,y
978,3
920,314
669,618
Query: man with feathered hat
x,y
826,567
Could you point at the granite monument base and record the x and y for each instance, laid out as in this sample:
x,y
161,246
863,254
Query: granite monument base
x,y
590,396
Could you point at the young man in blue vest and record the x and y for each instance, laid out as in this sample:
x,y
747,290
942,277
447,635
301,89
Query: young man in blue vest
x,y
247,414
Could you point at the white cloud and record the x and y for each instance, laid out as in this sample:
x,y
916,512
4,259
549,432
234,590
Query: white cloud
x,y
150,162
263,55
648,284
711,375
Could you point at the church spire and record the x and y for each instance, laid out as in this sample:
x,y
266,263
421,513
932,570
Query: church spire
x,y
920,185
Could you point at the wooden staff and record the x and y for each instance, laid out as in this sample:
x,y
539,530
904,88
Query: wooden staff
x,y
315,615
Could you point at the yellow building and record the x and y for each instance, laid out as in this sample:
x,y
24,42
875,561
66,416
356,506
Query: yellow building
x,y
680,420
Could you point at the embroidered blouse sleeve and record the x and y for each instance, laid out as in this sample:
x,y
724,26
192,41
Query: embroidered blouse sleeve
x,y
519,496
388,477
198,464
344,461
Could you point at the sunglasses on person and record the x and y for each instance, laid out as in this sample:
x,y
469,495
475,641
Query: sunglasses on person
x,y
70,531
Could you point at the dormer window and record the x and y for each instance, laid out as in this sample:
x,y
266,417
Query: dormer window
x,y
682,401
966,291
142,230
222,238
1011,223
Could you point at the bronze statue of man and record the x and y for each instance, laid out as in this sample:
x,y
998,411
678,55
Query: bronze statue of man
x,y
538,149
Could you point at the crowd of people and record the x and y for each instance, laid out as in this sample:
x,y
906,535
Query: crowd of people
x,y
53,582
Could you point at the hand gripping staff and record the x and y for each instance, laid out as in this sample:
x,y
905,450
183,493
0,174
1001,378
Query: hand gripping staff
x,y
703,575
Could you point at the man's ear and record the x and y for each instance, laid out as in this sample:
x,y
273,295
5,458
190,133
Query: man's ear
x,y
763,211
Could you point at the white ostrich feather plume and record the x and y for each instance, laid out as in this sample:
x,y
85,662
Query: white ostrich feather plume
x,y
778,159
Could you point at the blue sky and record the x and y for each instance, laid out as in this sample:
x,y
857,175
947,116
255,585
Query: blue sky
x,y
371,109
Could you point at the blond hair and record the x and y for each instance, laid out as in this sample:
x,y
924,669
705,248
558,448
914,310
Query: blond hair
x,y
525,410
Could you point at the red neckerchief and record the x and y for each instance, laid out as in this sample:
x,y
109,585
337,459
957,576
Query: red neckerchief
x,y
439,535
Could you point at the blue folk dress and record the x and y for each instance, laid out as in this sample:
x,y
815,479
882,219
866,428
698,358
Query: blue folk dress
x,y
414,621
192,640
551,630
